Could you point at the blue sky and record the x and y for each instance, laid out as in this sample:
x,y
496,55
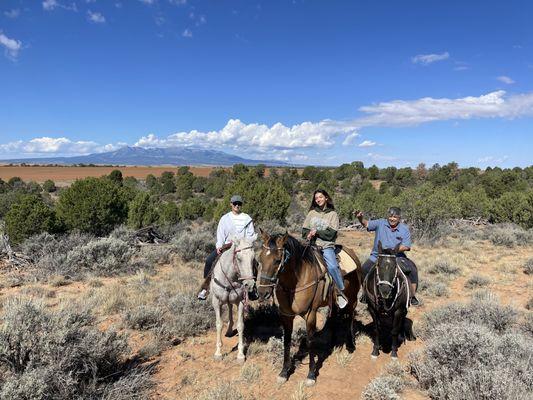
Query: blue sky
x,y
312,82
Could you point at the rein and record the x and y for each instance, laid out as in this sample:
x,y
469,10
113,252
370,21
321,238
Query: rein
x,y
231,287
274,279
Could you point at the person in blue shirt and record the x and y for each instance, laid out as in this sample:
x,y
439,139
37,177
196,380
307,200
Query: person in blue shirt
x,y
390,232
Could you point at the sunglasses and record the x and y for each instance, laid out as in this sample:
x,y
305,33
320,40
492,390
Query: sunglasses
x,y
237,203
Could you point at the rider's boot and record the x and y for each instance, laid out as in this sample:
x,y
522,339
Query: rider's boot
x,y
203,294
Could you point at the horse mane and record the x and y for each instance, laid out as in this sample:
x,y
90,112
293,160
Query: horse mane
x,y
294,247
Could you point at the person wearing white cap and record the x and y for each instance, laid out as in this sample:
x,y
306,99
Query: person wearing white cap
x,y
234,224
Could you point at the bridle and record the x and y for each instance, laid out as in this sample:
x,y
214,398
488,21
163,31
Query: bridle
x,y
275,277
236,264
396,283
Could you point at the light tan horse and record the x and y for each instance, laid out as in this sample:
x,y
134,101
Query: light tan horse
x,y
233,279
293,271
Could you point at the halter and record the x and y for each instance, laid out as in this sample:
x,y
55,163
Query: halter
x,y
380,282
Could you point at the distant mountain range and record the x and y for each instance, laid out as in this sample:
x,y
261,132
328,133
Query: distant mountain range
x,y
155,156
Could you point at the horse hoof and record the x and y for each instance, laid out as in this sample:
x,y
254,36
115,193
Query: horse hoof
x,y
231,333
373,357
241,360
394,356
218,357
281,380
310,382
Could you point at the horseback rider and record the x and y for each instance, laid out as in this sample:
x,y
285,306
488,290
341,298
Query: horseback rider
x,y
390,231
234,224
320,228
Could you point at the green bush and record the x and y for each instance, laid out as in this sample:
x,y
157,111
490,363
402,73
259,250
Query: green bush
x,y
92,205
142,211
29,216
49,186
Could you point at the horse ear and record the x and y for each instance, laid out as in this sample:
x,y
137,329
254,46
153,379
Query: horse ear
x,y
397,248
265,237
280,242
380,247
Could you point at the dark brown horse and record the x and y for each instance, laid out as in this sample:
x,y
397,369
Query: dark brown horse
x,y
293,271
387,290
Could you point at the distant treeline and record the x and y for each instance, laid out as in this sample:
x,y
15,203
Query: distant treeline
x,y
427,196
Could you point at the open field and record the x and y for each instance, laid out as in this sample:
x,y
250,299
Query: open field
x,y
68,174
186,369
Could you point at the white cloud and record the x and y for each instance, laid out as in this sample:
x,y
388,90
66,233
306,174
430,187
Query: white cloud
x,y
350,139
187,33
492,159
178,2
54,146
11,46
428,109
426,59
150,2
366,143
95,17
237,133
14,13
380,157
49,5
505,79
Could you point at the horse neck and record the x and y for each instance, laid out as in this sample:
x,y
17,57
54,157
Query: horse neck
x,y
225,267
295,273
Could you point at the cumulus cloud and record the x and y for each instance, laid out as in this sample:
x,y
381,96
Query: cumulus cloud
x,y
350,139
426,59
237,133
95,17
187,33
381,157
366,143
62,145
505,79
11,46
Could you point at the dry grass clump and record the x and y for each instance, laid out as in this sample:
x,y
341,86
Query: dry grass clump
x,y
388,385
473,351
144,317
434,288
477,281
508,235
60,355
445,268
223,391
528,267
529,304
250,372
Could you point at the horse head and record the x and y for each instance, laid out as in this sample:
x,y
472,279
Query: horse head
x,y
244,256
272,259
386,270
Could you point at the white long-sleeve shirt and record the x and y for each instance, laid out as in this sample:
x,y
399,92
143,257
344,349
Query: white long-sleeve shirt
x,y
234,226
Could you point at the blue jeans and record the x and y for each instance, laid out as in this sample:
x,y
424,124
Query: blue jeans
x,y
333,267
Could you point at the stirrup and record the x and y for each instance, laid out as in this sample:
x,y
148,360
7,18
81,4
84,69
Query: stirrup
x,y
363,299
342,301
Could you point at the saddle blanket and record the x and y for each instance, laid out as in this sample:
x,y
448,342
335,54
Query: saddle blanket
x,y
346,262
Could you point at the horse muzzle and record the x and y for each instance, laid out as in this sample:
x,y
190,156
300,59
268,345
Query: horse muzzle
x,y
385,291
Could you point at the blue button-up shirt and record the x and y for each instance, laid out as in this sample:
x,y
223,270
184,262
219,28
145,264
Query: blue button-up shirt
x,y
388,236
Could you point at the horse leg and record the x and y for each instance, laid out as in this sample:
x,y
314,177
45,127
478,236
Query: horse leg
x,y
217,305
311,329
230,332
397,325
240,329
287,323
375,318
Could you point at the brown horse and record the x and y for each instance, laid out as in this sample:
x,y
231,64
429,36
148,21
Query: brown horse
x,y
293,270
